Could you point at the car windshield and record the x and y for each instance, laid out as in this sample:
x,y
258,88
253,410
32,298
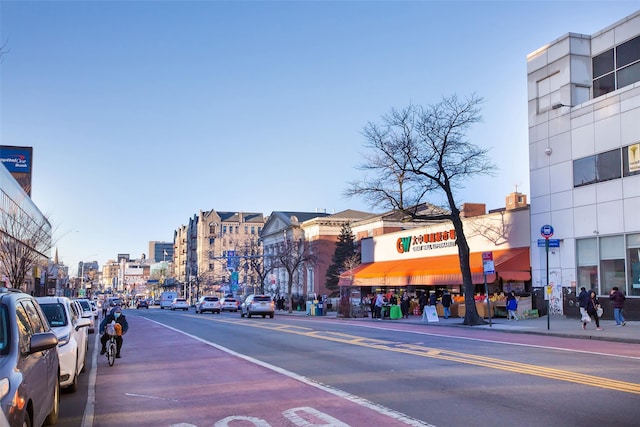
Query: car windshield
x,y
211,299
55,314
259,298
85,305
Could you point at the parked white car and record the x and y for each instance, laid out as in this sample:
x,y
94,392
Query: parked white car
x,y
87,312
71,329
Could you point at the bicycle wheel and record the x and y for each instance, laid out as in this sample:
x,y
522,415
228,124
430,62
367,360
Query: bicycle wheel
x,y
111,352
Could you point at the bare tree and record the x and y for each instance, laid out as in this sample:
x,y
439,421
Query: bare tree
x,y
422,152
255,260
292,256
25,243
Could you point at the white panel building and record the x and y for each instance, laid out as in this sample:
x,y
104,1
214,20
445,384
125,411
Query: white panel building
x,y
584,162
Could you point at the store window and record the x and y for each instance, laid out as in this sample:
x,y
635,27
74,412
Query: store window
x,y
587,258
633,260
612,268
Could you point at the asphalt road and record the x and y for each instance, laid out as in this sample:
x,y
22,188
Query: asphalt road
x,y
421,372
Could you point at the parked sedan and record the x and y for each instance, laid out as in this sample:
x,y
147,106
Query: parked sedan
x,y
29,388
262,305
71,329
179,304
208,303
229,304
87,312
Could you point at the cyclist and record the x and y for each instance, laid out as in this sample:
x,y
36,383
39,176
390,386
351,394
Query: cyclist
x,y
120,319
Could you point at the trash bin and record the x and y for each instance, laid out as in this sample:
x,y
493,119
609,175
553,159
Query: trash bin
x,y
395,313
319,308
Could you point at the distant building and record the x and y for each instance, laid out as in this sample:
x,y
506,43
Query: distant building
x,y
204,248
160,251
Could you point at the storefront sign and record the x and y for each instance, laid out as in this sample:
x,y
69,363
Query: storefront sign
x,y
487,263
427,241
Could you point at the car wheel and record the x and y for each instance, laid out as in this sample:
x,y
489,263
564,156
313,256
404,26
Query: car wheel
x,y
52,418
271,316
73,387
84,363
26,422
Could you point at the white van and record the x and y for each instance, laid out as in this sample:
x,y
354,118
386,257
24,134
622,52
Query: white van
x,y
166,298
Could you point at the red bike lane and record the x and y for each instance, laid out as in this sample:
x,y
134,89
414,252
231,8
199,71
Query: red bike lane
x,y
167,378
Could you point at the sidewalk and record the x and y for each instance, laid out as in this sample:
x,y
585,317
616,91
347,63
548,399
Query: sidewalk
x,y
556,325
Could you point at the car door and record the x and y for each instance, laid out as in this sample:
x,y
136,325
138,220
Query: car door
x,y
80,334
36,367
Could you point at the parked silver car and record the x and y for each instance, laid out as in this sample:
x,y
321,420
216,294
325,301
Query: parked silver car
x,y
28,362
261,305
208,303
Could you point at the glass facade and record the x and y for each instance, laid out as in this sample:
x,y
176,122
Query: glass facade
x,y
605,262
616,68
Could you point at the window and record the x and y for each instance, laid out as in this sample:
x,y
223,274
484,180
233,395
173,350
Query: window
x,y
633,263
35,319
612,270
601,167
587,259
616,68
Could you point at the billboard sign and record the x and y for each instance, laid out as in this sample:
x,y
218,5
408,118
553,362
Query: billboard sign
x,y
18,161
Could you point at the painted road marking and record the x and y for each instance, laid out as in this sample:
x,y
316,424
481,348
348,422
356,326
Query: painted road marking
x,y
452,356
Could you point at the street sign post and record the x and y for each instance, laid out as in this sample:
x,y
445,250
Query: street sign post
x,y
488,268
546,231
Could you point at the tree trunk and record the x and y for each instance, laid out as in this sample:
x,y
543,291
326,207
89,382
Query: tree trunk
x,y
471,316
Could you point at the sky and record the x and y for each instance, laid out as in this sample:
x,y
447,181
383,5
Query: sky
x,y
143,113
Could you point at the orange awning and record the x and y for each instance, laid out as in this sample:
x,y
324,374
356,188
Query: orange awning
x,y
510,265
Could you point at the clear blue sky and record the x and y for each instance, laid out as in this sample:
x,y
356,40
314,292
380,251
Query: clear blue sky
x,y
141,114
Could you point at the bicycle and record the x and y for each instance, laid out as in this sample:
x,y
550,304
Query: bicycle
x,y
111,346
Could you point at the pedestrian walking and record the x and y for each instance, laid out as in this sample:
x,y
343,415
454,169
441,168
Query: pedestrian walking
x,y
422,301
618,299
379,304
446,303
583,299
592,310
404,306
512,306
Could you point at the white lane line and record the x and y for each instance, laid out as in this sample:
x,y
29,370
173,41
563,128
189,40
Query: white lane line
x,y
87,417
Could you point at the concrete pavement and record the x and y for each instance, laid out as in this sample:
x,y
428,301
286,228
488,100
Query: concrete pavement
x,y
556,325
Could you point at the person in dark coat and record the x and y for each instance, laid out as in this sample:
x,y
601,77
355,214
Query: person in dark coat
x,y
592,310
119,318
583,299
433,299
422,301
446,304
618,299
404,306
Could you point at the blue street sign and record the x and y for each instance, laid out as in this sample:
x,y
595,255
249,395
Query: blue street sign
x,y
553,243
546,231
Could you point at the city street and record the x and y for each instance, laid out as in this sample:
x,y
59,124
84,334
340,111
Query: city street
x,y
179,368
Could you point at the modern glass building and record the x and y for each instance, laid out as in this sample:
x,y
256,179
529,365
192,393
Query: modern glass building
x,y
22,223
